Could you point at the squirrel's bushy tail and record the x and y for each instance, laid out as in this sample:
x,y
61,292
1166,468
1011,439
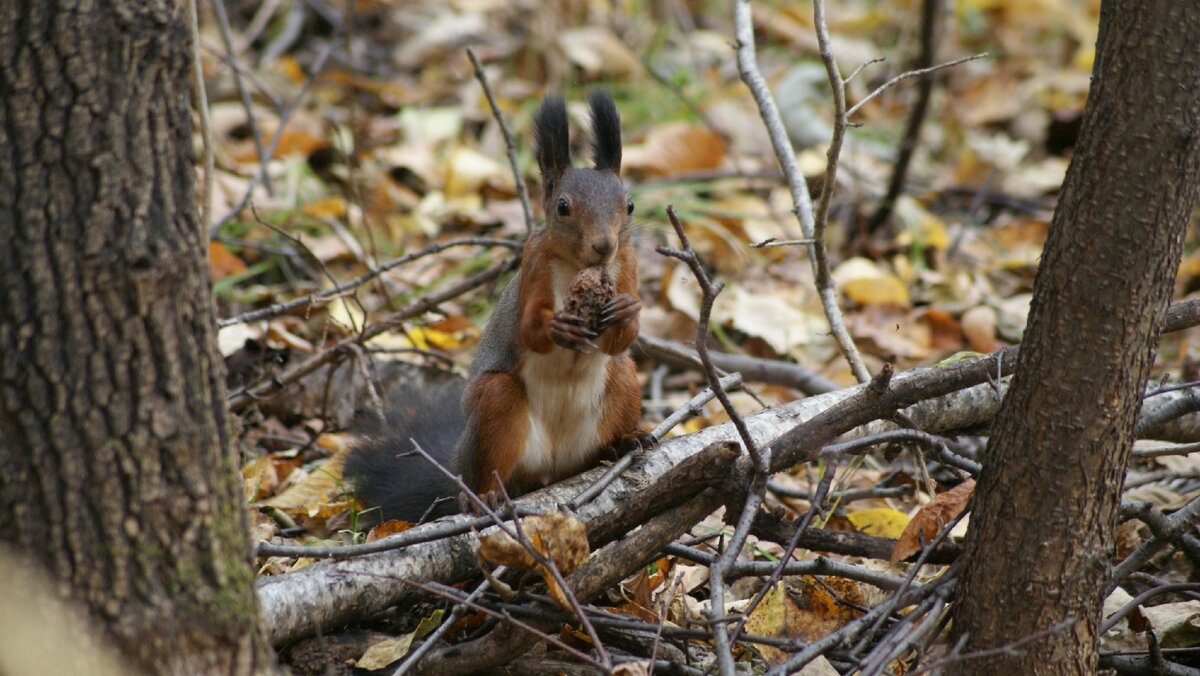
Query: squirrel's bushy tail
x,y
388,475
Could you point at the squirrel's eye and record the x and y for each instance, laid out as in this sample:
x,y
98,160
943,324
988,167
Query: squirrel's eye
x,y
629,207
564,209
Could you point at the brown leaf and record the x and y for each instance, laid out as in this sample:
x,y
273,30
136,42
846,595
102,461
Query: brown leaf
x,y
925,525
676,149
222,262
559,537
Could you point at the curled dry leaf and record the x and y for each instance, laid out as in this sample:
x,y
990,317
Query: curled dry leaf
x,y
556,536
676,149
925,525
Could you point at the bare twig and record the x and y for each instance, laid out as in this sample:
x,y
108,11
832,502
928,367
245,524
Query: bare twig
x,y
455,595
818,566
460,608
769,243
1013,648
710,291
205,121
1171,449
693,407
786,155
231,57
517,533
1112,620
317,67
288,306
759,456
770,371
1176,526
244,396
912,73
814,508
509,143
916,117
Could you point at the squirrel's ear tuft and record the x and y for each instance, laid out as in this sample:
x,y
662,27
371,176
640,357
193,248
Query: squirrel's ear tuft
x,y
552,140
606,131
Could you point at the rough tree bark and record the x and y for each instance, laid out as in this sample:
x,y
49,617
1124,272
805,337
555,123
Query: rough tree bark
x,y
1041,537
117,469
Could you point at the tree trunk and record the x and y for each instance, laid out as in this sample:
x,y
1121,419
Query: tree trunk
x,y
1041,536
117,469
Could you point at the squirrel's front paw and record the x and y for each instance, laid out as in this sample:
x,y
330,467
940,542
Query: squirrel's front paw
x,y
620,310
490,499
638,441
572,333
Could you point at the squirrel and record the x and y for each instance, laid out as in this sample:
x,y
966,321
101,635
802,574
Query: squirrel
x,y
552,386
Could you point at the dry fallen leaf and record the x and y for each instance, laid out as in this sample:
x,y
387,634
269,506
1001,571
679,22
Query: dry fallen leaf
x,y
979,326
880,521
389,650
675,149
866,283
802,608
222,263
309,495
559,537
925,525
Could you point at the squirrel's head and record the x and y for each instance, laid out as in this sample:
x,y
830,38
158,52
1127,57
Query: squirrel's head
x,y
588,211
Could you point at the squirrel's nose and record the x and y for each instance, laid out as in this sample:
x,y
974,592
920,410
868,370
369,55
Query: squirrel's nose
x,y
602,246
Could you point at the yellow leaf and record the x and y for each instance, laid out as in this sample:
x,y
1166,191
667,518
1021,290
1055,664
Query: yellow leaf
x,y
866,283
383,653
330,207
881,522
920,226
313,491
884,290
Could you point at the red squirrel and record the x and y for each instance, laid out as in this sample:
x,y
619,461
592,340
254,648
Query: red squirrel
x,y
548,392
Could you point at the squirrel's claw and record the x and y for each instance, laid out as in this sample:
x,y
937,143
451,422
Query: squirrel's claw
x,y
620,310
572,333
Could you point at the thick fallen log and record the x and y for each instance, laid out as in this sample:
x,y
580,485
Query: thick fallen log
x,y
330,593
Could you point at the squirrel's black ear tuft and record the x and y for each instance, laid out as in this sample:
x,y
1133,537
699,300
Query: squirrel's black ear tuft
x,y
606,131
552,139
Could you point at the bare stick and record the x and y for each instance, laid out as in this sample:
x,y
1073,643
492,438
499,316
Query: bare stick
x,y
511,145
786,155
1112,620
692,408
438,590
205,121
460,609
243,94
282,308
517,533
912,73
759,456
317,67
244,396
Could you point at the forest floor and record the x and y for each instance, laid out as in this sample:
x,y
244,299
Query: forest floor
x,y
356,156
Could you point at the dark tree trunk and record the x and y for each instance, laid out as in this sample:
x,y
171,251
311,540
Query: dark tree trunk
x,y
1041,536
117,469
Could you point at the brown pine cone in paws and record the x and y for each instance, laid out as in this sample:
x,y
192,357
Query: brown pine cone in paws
x,y
592,290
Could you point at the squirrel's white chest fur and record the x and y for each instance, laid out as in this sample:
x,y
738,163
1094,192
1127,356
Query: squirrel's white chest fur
x,y
565,391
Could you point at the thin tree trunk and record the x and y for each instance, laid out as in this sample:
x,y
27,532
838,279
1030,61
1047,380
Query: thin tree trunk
x,y
1041,536
117,469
